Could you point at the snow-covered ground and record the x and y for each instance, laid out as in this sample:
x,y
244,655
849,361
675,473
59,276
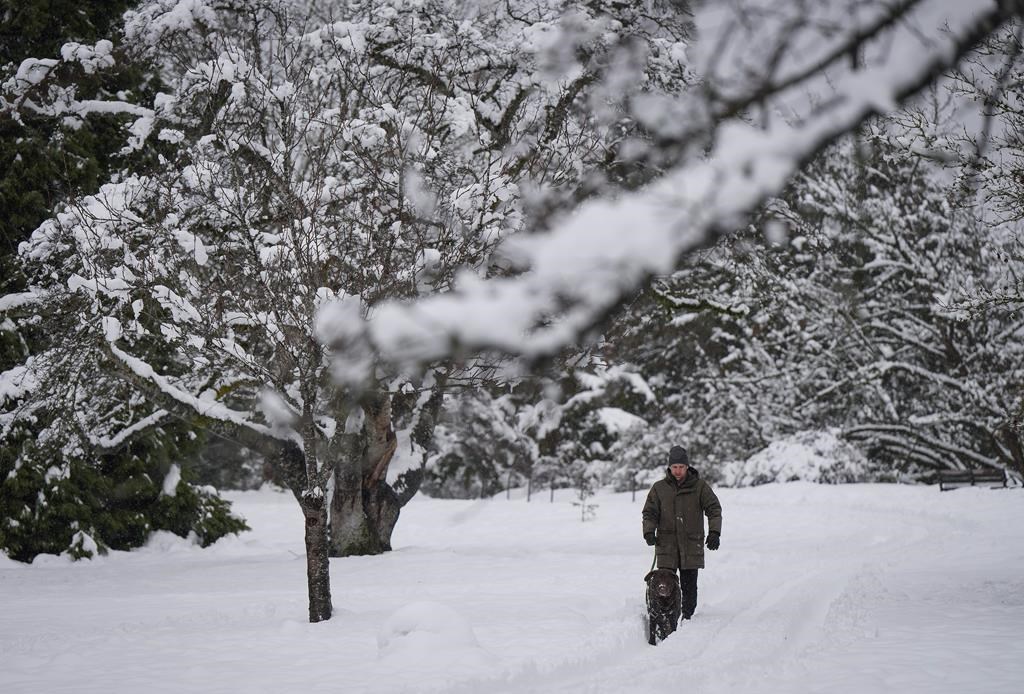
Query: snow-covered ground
x,y
858,588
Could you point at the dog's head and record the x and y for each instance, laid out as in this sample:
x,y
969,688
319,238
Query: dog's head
x,y
662,583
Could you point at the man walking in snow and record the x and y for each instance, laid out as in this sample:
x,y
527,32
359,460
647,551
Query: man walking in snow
x,y
673,522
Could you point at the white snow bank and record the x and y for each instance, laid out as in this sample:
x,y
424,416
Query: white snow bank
x,y
8,564
166,542
425,625
433,633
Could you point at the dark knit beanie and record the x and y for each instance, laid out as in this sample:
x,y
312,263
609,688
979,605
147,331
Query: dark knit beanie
x,y
677,456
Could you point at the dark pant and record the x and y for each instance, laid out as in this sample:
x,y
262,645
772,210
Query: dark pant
x,y
688,587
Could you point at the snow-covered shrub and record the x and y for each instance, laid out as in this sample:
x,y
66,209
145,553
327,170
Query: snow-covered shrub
x,y
608,410
810,456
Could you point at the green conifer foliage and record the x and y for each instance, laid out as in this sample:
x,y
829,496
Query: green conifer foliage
x,y
44,159
51,503
56,494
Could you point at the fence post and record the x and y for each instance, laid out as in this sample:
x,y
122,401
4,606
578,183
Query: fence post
x,y
508,485
529,487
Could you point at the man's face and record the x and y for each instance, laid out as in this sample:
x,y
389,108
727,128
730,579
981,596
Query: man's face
x,y
678,470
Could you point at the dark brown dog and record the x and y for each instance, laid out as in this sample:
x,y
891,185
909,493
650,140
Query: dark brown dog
x,y
663,604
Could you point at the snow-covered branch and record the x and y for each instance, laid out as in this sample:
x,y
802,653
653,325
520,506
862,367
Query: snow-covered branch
x,y
974,392
913,439
575,275
16,383
112,442
206,408
9,302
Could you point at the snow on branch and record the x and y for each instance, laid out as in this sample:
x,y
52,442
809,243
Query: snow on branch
x,y
206,408
579,272
112,442
882,367
914,439
10,302
16,383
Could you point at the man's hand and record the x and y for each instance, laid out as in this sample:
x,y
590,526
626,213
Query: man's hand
x,y
714,540
650,538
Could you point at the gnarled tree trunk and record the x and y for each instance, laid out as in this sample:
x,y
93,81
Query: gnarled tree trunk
x,y
365,508
362,498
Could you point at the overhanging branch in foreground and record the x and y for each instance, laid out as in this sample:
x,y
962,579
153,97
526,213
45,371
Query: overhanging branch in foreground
x,y
581,271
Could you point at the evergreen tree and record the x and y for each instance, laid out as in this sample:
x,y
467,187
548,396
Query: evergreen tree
x,y
47,156
62,490
483,443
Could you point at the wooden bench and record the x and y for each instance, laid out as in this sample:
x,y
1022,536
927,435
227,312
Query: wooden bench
x,y
953,479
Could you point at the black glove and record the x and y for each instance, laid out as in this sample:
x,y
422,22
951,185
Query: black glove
x,y
714,540
650,538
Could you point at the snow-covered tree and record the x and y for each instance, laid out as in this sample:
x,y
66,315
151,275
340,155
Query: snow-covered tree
x,y
61,135
483,442
987,154
547,433
776,85
846,324
315,153
921,382
46,156
604,411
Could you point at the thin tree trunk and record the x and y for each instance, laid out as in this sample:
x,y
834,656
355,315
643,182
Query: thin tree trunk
x,y
314,509
289,463
290,466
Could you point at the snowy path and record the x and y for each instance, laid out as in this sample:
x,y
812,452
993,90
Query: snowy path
x,y
868,588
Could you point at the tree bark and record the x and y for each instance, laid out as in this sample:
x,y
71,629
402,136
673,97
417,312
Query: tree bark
x,y
352,532
1012,440
289,463
364,508
314,510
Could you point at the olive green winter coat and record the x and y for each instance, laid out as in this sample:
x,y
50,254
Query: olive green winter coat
x,y
676,511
